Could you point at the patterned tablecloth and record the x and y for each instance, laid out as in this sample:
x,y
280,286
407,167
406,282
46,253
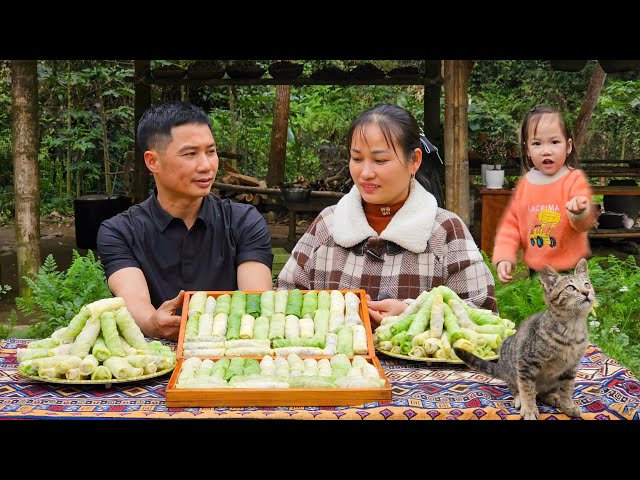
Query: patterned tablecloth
x,y
604,391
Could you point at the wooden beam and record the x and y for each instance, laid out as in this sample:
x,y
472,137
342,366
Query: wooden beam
x,y
272,191
456,137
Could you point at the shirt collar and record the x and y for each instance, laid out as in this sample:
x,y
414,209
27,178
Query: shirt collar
x,y
162,219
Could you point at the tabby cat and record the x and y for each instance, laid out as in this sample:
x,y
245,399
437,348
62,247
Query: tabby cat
x,y
543,356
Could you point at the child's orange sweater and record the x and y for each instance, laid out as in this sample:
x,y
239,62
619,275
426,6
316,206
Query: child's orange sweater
x,y
537,221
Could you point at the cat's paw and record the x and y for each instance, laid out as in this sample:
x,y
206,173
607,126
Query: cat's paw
x,y
572,410
516,402
529,414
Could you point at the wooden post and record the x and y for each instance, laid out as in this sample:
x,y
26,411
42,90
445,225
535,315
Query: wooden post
x,y
456,136
278,152
432,127
142,102
25,142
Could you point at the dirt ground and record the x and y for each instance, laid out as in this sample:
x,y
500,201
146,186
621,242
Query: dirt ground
x,y
58,237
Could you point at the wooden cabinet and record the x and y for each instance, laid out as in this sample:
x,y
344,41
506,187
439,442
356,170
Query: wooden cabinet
x,y
494,202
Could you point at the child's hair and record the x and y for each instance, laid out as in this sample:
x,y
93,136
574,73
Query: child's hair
x,y
154,128
533,118
400,128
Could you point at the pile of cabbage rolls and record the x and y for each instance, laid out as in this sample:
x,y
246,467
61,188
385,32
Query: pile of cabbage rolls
x,y
439,320
101,342
273,322
279,372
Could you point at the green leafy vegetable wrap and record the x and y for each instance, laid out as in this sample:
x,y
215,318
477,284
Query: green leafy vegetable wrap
x,y
307,327
331,344
76,325
340,365
352,309
324,367
191,329
324,300
205,368
402,325
252,367
299,351
223,304
321,323
219,327
238,303
233,326
100,350
247,342
336,320
205,324
315,381
210,305
282,366
189,369
294,303
267,365
23,354
337,301
197,303
291,327
310,367
96,308
261,328
280,301
236,367
101,373
247,351
359,340
246,326
309,304
86,338
220,368
130,330
345,340
88,365
451,324
43,343
277,326
268,303
253,304
121,368
110,334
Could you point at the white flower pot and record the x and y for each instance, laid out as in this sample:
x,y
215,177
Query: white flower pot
x,y
495,179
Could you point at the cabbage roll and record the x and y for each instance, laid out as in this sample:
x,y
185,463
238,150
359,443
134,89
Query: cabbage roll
x,y
65,363
249,342
205,324
88,365
246,326
219,327
331,344
336,320
267,365
236,367
100,350
206,367
247,351
96,308
189,368
50,372
238,303
223,304
261,328
202,345
59,336
253,304
210,305
296,365
385,346
307,327
291,327
359,340
75,374
359,382
233,326
352,309
310,367
309,304
220,368
75,325
252,367
86,338
277,325
340,365
324,367
311,351
121,368
280,301
337,301
294,303
64,349
267,304
324,301
315,381
128,349
197,303
44,343
130,330
282,366
31,353
345,340
258,381
110,334
210,352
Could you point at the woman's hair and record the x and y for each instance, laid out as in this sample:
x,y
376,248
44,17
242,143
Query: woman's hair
x,y
401,129
156,123
532,118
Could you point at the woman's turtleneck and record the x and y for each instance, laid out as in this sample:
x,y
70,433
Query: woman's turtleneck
x,y
379,216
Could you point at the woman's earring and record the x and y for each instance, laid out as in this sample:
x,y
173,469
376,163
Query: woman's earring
x,y
412,182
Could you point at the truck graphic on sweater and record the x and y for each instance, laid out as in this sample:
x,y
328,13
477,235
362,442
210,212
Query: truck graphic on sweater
x,y
541,233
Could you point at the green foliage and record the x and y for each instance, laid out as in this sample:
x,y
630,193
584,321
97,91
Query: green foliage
x,y
58,296
615,327
7,328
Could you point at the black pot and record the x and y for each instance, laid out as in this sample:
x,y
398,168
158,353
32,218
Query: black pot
x,y
296,195
90,211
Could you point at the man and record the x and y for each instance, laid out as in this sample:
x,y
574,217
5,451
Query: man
x,y
181,238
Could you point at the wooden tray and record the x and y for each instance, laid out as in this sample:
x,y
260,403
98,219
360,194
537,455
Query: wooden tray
x,y
364,315
274,397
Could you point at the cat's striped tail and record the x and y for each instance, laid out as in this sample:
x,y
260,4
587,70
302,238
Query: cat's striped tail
x,y
477,363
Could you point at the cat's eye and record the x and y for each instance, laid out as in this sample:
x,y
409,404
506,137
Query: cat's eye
x,y
570,288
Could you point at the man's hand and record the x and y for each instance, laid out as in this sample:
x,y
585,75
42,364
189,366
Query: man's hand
x,y
577,205
384,308
164,323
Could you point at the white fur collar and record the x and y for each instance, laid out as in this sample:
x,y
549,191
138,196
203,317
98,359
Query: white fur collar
x,y
410,227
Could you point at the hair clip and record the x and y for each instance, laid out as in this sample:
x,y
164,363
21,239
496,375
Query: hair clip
x,y
428,146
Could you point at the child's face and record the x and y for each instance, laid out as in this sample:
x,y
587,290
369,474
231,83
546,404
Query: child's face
x,y
547,145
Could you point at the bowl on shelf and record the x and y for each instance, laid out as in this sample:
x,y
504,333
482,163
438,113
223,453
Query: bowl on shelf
x,y
296,194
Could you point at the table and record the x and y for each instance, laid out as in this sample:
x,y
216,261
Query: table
x,y
604,391
315,204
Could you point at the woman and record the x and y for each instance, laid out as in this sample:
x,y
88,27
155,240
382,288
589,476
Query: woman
x,y
387,235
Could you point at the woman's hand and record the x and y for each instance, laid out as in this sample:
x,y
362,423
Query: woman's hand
x,y
384,308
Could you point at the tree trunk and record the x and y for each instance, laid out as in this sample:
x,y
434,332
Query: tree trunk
x,y
588,106
105,143
232,126
142,102
456,138
277,155
26,143
69,105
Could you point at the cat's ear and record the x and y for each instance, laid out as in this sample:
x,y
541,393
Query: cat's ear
x,y
548,276
582,268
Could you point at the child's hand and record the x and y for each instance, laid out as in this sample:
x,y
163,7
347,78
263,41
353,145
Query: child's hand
x,y
577,205
504,271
